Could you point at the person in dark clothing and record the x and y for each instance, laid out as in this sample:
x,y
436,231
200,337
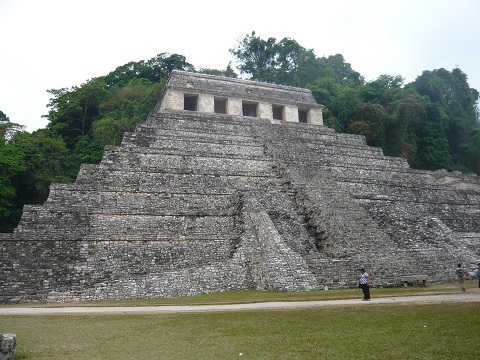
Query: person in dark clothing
x,y
364,284
478,274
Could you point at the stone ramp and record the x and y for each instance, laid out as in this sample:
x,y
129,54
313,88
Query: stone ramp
x,y
275,266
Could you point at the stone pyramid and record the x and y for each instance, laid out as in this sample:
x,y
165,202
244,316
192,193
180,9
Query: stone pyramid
x,y
231,185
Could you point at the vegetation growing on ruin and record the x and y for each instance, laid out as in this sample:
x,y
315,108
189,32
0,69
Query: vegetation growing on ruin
x,y
433,122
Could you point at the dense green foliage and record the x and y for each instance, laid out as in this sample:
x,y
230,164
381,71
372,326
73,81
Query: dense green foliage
x,y
82,120
433,122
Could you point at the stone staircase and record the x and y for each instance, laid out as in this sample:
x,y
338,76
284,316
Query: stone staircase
x,y
373,209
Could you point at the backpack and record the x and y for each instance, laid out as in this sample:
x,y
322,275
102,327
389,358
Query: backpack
x,y
460,273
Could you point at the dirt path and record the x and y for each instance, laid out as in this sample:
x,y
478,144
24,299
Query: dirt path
x,y
473,296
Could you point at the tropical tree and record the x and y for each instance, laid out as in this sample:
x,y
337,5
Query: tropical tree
x,y
344,105
109,131
451,121
88,150
74,110
407,111
256,57
458,102
135,99
3,117
154,70
371,121
433,150
284,62
45,159
11,165
228,72
8,129
29,163
469,153
344,74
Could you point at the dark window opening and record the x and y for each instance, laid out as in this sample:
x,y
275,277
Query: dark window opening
x,y
249,109
277,112
220,105
190,102
302,116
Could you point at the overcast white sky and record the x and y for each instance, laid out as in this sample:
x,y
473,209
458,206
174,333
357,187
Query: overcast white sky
x,y
50,44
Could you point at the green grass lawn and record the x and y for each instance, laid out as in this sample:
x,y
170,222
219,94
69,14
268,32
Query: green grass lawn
x,y
377,331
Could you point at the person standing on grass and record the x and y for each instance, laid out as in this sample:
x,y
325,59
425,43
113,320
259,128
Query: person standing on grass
x,y
461,274
364,284
478,274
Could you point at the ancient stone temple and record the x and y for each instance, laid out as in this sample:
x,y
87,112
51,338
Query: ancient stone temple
x,y
233,184
208,94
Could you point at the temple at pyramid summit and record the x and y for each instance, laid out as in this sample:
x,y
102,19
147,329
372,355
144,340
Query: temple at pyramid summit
x,y
233,184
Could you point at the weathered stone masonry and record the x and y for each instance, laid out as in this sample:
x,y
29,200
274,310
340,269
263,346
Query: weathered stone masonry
x,y
206,94
205,201
8,346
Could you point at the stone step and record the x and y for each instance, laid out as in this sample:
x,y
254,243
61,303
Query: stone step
x,y
347,162
191,121
194,146
382,177
285,134
37,221
313,150
193,116
323,147
128,226
169,139
125,202
96,177
151,161
300,128
192,127
395,191
153,227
